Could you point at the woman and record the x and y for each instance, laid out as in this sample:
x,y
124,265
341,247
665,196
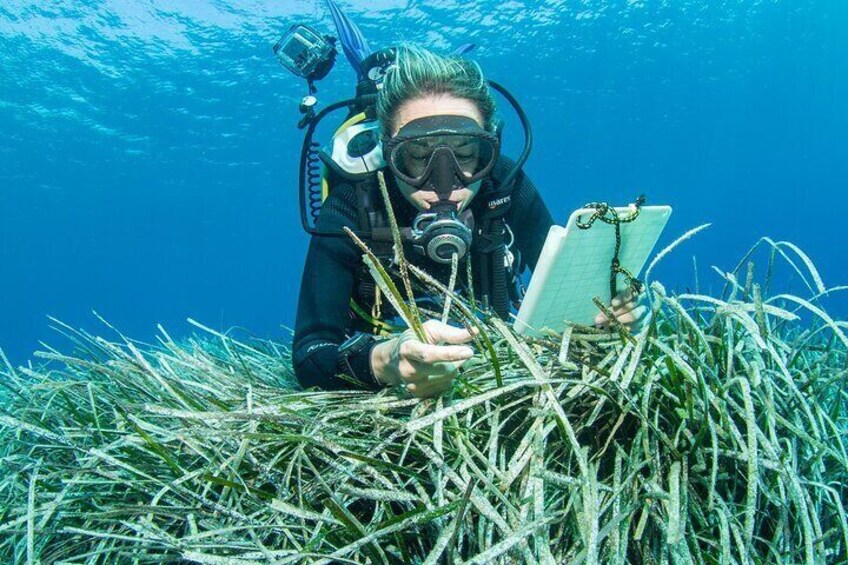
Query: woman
x,y
437,119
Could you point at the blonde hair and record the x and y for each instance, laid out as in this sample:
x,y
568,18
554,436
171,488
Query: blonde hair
x,y
418,71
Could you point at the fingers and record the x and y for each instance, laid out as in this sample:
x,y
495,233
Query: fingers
x,y
619,298
425,380
438,332
429,354
627,309
625,301
423,364
428,369
632,316
431,386
623,298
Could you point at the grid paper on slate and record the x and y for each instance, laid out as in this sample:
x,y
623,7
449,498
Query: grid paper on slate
x,y
574,267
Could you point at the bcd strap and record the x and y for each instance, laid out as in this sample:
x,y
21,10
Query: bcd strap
x,y
490,249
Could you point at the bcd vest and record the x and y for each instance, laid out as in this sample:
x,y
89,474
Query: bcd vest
x,y
494,268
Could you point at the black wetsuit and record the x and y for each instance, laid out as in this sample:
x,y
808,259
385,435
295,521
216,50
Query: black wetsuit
x,y
334,264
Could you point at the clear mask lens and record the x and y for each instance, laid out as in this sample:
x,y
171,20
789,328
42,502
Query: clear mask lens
x,y
471,154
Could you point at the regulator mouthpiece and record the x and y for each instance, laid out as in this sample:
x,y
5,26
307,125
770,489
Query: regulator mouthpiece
x,y
439,235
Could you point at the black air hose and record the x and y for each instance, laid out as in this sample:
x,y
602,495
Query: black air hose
x,y
313,180
483,272
308,148
500,291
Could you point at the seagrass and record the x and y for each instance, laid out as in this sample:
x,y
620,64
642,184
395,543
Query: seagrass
x,y
716,434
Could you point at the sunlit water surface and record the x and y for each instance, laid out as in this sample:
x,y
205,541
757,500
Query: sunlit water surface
x,y
148,155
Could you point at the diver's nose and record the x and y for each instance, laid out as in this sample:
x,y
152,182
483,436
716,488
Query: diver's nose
x,y
442,176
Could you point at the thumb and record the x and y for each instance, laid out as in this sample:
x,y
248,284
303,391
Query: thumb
x,y
437,332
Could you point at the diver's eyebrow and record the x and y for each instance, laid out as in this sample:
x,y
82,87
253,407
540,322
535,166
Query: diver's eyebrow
x,y
451,141
423,142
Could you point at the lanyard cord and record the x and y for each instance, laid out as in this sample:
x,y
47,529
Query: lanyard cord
x,y
609,215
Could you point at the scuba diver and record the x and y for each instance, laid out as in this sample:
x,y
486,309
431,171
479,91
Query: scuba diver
x,y
427,124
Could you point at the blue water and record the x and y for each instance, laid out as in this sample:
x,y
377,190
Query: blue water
x,y
148,149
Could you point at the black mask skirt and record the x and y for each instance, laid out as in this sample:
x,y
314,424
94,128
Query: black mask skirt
x,y
441,153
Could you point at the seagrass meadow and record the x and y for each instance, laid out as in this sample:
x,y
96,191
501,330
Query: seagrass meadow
x,y
716,434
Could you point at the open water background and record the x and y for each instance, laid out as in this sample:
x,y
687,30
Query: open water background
x,y
148,151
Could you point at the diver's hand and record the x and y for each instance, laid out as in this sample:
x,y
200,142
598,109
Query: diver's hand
x,y
629,310
426,369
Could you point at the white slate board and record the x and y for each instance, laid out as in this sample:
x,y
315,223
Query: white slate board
x,y
574,267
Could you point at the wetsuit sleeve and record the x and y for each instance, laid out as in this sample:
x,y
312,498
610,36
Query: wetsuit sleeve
x,y
529,220
323,321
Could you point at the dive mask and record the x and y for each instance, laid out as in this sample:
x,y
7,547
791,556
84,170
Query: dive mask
x,y
442,154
